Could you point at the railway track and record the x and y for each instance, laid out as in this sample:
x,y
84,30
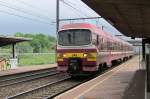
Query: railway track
x,y
20,75
44,91
42,88
53,89
22,87
18,84
15,79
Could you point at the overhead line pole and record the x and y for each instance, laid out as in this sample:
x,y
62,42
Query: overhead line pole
x,y
57,26
57,16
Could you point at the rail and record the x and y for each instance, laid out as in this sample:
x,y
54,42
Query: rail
x,y
38,88
25,78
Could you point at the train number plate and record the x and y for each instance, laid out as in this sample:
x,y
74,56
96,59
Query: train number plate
x,y
75,55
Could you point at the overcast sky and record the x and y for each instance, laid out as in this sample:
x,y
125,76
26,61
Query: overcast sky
x,y
38,16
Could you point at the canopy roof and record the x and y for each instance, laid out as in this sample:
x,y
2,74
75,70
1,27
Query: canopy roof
x,y
11,40
131,17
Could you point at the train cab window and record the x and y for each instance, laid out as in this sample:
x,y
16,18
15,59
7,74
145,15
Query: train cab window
x,y
74,37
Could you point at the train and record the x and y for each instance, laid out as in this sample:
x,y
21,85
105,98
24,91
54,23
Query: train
x,y
84,48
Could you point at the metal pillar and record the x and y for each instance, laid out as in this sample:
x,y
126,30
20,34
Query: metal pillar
x,y
148,71
14,50
143,49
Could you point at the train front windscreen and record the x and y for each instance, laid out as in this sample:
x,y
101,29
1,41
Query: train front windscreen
x,y
74,37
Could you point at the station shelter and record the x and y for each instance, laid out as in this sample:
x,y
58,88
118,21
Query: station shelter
x,y
11,63
130,17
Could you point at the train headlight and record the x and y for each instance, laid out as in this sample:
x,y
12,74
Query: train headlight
x,y
85,55
64,55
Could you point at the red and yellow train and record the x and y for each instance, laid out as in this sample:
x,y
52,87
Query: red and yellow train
x,y
83,48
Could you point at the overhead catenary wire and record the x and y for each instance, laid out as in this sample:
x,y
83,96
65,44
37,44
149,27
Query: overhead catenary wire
x,y
16,8
22,10
73,10
71,2
75,4
87,7
5,4
82,18
28,18
78,10
31,6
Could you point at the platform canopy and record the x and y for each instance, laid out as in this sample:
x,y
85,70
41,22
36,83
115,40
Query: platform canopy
x,y
11,40
131,17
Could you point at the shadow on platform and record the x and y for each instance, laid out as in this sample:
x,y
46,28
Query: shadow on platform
x,y
136,89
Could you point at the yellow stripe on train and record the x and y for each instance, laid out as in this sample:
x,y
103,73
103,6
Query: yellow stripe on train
x,y
89,56
91,59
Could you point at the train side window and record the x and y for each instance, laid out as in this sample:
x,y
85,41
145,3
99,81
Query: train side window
x,y
117,46
113,46
93,38
102,44
121,46
106,44
109,45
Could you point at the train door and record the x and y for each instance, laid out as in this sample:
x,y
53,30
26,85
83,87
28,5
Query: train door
x,y
109,55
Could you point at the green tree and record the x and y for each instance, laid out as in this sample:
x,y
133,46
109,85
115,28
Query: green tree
x,y
39,42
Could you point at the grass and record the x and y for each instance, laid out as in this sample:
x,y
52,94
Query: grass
x,y
29,59
36,59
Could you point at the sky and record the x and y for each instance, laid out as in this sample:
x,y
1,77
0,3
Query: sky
x,y
38,16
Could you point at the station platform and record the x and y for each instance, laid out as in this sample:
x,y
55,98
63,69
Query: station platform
x,y
26,69
126,81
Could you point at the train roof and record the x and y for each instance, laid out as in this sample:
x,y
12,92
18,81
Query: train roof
x,y
94,29
91,27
